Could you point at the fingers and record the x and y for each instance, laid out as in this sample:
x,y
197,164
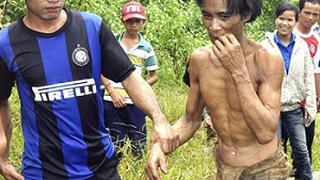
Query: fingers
x,y
216,51
219,46
118,101
232,39
163,165
14,176
10,173
156,159
170,142
225,40
154,174
307,117
115,104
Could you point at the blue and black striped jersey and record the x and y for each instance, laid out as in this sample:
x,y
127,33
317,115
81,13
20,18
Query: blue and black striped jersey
x,y
58,80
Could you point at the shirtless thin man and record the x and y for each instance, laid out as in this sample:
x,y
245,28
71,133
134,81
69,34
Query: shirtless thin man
x,y
239,81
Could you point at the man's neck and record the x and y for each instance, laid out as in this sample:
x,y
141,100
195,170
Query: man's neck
x,y
245,43
131,36
129,40
302,29
285,39
45,26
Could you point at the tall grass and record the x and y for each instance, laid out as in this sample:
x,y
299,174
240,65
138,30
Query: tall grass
x,y
194,160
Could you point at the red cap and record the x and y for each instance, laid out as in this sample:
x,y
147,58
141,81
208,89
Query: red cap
x,y
133,10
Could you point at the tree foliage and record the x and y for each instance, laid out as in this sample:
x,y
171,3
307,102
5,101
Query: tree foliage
x,y
174,27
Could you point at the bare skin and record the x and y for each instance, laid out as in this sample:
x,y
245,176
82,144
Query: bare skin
x,y
6,169
244,137
239,81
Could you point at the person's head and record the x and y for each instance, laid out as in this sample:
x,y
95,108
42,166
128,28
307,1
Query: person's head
x,y
309,12
228,16
133,17
46,10
286,17
241,7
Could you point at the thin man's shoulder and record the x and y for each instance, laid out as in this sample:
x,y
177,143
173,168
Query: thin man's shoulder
x,y
268,53
201,53
269,58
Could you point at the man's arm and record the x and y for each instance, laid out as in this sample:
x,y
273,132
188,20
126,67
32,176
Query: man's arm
x,y
153,77
6,169
5,130
189,123
185,126
309,80
261,109
117,99
144,98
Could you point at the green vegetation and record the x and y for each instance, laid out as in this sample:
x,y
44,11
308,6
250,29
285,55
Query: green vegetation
x,y
174,28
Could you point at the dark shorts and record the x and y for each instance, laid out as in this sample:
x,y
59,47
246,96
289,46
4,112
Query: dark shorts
x,y
274,167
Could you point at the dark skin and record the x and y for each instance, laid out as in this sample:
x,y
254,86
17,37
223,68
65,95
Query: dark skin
x,y
239,81
6,169
48,16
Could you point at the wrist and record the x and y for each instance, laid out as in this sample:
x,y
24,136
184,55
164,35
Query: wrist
x,y
158,119
3,162
241,78
109,88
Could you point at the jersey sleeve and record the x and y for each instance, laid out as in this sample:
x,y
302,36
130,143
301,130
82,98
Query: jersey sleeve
x,y
6,80
115,62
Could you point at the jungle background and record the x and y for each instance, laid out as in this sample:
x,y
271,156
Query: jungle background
x,y
174,28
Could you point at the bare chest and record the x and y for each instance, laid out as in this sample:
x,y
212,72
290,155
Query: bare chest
x,y
218,88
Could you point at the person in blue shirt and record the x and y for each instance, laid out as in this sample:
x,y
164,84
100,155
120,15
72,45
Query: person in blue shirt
x,y
298,85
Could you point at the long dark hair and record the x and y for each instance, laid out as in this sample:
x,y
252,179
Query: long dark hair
x,y
242,7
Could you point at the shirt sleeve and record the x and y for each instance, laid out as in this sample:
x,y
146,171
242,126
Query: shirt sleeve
x,y
115,62
6,81
310,91
151,62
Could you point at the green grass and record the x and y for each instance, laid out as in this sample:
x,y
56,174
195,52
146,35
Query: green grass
x,y
194,160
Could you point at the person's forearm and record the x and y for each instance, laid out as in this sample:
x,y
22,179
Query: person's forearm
x,y
5,129
309,79
143,96
152,80
260,120
186,129
107,84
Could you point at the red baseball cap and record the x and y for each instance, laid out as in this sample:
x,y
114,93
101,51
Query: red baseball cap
x,y
133,10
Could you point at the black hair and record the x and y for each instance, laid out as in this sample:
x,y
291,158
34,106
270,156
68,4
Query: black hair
x,y
287,6
242,7
303,2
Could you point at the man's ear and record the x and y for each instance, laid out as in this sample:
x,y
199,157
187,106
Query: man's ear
x,y
247,16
